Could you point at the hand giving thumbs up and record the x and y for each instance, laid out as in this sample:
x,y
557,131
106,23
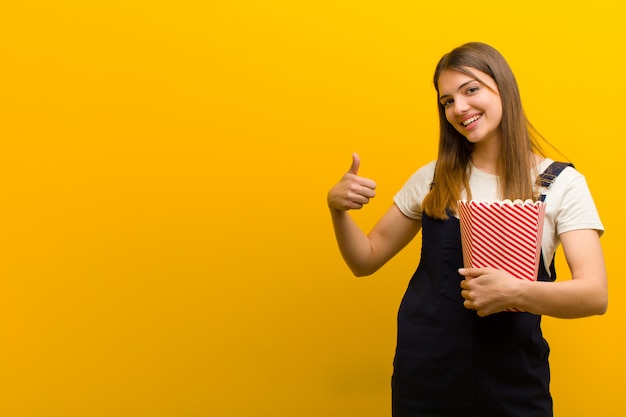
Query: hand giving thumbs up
x,y
351,192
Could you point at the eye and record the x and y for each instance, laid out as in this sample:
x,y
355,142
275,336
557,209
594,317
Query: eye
x,y
447,102
473,89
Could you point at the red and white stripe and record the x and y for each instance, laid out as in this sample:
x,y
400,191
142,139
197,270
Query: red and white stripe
x,y
503,235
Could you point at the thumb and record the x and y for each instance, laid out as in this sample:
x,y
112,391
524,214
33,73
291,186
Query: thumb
x,y
465,272
356,162
470,273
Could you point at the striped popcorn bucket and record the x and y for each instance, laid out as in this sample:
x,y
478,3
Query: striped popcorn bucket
x,y
504,235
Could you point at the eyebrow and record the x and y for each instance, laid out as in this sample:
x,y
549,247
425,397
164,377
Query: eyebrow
x,y
460,87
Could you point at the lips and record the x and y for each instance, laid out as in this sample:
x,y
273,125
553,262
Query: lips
x,y
470,120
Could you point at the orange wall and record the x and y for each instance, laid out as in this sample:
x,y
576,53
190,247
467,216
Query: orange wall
x,y
165,245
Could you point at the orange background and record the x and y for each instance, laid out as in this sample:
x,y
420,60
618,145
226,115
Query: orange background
x,y
165,246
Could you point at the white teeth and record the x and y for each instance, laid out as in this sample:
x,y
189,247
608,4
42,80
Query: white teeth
x,y
471,119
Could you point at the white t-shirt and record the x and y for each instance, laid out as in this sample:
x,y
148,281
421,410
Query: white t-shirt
x,y
569,205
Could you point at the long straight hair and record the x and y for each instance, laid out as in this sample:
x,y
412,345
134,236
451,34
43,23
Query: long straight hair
x,y
515,162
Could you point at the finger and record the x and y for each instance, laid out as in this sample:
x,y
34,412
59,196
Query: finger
x,y
368,184
360,197
356,163
469,273
365,189
351,205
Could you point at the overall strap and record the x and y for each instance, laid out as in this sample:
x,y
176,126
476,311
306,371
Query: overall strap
x,y
549,175
545,179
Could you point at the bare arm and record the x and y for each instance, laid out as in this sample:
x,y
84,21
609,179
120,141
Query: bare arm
x,y
585,294
365,254
488,290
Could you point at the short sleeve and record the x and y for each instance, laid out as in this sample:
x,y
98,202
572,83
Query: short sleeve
x,y
569,206
409,198
577,209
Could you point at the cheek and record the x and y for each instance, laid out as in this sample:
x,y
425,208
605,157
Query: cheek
x,y
452,120
498,113
498,110
449,115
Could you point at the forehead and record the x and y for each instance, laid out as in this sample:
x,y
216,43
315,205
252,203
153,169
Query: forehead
x,y
450,80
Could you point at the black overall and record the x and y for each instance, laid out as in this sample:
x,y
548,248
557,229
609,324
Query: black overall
x,y
451,362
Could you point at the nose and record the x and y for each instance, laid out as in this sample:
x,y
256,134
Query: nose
x,y
460,106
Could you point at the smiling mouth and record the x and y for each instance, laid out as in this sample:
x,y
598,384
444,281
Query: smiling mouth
x,y
471,120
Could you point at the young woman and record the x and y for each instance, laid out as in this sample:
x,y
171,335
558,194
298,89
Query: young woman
x,y
459,353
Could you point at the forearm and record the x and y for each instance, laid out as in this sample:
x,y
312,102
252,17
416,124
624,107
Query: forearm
x,y
564,299
365,254
354,245
585,294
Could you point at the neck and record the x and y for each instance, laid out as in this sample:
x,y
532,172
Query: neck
x,y
485,158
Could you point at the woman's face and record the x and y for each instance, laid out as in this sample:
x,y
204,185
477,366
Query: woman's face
x,y
473,107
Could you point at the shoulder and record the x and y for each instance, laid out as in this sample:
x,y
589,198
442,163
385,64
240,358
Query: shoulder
x,y
567,178
570,203
422,178
409,197
425,172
